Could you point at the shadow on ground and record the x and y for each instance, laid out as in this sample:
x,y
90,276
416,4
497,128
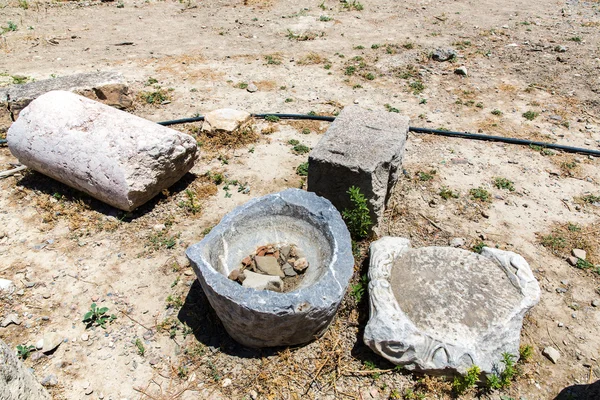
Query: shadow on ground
x,y
580,392
36,181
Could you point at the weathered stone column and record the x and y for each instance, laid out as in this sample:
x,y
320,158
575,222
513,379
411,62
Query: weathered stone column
x,y
116,157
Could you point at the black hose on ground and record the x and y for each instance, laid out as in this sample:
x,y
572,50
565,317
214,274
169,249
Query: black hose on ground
x,y
461,135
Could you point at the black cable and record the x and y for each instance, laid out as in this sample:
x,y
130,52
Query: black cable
x,y
502,139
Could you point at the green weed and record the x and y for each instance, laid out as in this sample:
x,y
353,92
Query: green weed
x,y
302,169
23,351
503,183
462,384
446,194
530,115
272,118
190,204
301,149
97,316
480,194
140,347
358,290
358,218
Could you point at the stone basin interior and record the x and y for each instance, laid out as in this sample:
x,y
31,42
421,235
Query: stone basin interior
x,y
284,226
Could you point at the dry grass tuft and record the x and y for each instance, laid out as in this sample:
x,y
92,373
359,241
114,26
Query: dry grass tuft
x,y
303,125
311,58
564,237
214,143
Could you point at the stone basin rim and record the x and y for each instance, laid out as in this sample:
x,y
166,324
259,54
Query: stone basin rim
x,y
265,300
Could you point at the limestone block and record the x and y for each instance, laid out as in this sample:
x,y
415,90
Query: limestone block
x,y
440,310
109,154
264,318
225,120
361,148
17,381
108,87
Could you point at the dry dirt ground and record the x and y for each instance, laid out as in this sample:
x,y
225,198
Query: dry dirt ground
x,y
65,250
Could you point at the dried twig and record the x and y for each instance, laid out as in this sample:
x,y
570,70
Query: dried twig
x,y
134,320
13,171
431,222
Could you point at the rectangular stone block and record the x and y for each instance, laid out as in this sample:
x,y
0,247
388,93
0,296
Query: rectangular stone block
x,y
361,148
114,156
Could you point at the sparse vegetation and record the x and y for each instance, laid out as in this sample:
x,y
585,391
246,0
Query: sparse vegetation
x,y
140,347
389,108
530,115
497,112
23,351
302,169
462,384
426,176
301,149
477,247
358,218
97,316
417,87
155,97
446,194
272,118
503,183
480,194
357,291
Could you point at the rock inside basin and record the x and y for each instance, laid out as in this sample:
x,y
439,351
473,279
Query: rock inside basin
x,y
267,318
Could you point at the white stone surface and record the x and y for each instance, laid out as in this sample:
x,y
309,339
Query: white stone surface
x,y
109,154
7,286
225,120
17,381
262,282
441,310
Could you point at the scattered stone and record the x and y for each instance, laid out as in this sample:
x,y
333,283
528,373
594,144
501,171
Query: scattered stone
x,y
252,88
237,275
39,344
50,380
85,337
462,71
269,265
484,296
361,148
114,156
262,282
51,341
262,318
485,214
253,394
552,354
288,270
109,88
153,360
226,382
149,334
560,49
89,391
16,380
596,303
458,242
10,319
225,120
159,227
442,55
581,254
572,260
300,265
7,286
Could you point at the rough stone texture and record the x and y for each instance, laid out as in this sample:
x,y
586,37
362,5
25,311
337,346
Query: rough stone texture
x,y
580,254
262,282
16,381
552,354
225,120
361,148
109,88
113,156
264,318
441,310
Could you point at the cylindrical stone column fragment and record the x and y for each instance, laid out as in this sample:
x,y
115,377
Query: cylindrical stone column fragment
x,y
116,157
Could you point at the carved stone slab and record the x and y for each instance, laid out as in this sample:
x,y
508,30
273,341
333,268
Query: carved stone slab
x,y
440,310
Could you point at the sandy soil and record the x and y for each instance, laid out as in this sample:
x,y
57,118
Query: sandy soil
x,y
65,250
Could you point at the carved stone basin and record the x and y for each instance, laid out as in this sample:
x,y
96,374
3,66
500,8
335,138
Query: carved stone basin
x,y
263,318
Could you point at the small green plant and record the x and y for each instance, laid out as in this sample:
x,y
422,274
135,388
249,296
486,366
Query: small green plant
x,y
510,371
446,194
241,85
497,112
426,176
477,247
358,218
302,169
573,227
525,353
389,108
301,149
554,242
590,199
24,4
151,81
358,290
369,76
350,70
289,100
97,316
359,47
352,5
493,382
576,39
11,27
272,60
190,204
370,365
327,66
462,384
173,302
272,118
322,5
140,347
156,97
24,351
480,194
503,183
408,45
305,131
417,87
293,142
410,394
325,18
584,264
530,115
160,240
